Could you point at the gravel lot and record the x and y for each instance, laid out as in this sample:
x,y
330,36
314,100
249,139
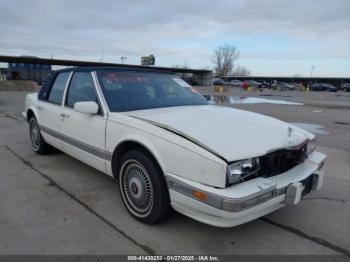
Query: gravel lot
x,y
54,204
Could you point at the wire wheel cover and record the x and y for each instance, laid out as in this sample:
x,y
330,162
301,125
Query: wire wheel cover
x,y
35,135
137,188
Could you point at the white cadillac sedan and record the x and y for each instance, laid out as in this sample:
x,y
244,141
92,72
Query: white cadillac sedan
x,y
168,147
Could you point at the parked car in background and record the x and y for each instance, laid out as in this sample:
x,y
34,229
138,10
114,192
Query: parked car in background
x,y
149,130
254,83
266,84
330,88
287,86
236,83
251,84
295,86
317,87
219,82
346,87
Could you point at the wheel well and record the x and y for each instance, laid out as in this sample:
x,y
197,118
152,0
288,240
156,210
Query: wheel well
x,y
125,147
30,114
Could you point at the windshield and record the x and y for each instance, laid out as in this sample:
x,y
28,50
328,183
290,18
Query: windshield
x,y
128,90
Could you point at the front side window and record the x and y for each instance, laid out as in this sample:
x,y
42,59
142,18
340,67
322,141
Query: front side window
x,y
81,89
132,90
56,92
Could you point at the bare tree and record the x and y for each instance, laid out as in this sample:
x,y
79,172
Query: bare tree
x,y
224,58
241,71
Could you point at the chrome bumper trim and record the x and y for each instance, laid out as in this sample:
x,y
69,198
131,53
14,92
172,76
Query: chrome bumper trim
x,y
227,204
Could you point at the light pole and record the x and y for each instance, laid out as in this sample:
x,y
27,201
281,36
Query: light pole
x,y
123,58
101,59
312,70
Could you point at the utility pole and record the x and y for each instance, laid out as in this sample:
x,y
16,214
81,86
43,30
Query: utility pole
x,y
312,70
123,58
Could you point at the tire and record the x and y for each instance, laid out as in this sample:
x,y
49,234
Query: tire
x,y
143,188
38,144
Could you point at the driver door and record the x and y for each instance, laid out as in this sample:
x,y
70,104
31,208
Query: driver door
x,y
83,134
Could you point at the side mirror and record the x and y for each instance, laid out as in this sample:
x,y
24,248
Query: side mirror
x,y
88,107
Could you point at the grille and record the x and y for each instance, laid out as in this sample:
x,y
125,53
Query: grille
x,y
278,162
281,161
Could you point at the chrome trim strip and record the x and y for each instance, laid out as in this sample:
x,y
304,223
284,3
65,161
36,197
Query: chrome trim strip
x,y
66,88
99,91
108,156
222,203
82,146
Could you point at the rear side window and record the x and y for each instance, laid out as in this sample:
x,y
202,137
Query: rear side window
x,y
56,92
81,89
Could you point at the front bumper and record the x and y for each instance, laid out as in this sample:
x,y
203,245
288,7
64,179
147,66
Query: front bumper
x,y
243,202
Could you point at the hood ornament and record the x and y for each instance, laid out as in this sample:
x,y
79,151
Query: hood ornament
x,y
290,130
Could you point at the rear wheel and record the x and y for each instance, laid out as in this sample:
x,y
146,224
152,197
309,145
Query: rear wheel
x,y
143,188
38,144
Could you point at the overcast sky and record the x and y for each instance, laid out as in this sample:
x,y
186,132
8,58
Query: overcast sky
x,y
275,37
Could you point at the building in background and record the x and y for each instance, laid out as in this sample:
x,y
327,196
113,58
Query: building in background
x,y
38,69
24,71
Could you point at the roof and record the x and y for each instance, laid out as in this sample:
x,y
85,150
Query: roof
x,y
99,68
44,91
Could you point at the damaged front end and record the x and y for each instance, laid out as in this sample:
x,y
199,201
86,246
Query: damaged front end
x,y
271,164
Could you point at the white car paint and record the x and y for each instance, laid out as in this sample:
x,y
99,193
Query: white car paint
x,y
224,130
192,145
169,149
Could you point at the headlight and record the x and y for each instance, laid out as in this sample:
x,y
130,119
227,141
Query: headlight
x,y
311,146
238,171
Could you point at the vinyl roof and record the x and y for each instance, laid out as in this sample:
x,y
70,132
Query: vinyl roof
x,y
124,68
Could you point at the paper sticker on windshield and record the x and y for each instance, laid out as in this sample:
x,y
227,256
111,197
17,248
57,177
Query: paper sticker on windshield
x,y
181,82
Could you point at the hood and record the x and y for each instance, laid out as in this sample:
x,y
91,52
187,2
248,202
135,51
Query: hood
x,y
229,133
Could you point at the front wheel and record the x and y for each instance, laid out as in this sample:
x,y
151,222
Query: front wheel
x,y
143,188
38,144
